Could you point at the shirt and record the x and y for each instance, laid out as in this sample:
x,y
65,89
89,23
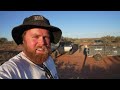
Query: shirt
x,y
19,67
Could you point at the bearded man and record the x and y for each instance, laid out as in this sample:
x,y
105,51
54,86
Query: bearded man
x,y
35,35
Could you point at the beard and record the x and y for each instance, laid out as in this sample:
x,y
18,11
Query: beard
x,y
37,58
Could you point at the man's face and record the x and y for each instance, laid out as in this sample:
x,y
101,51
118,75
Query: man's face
x,y
36,43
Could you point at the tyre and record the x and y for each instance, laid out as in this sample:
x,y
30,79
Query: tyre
x,y
70,52
97,57
55,54
74,49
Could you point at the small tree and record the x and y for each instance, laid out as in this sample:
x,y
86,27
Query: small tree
x,y
117,39
3,40
107,40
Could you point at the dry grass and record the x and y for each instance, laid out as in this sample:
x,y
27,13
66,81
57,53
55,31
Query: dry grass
x,y
73,66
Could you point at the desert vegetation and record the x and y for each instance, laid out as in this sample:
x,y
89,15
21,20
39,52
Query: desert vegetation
x,y
74,66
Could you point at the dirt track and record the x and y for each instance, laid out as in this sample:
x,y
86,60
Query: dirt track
x,y
75,67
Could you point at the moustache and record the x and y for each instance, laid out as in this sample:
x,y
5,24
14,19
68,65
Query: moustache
x,y
43,47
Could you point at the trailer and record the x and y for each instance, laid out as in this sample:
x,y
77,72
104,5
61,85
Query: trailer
x,y
98,51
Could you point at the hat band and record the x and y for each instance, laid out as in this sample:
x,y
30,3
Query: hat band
x,y
37,22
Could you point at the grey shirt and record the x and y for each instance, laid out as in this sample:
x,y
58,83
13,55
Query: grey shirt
x,y
19,67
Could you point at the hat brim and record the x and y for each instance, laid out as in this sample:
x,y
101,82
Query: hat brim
x,y
18,31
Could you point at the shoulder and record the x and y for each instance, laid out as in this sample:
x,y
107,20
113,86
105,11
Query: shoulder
x,y
6,69
10,69
11,62
50,60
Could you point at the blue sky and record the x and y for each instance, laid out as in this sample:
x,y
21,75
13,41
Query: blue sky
x,y
74,24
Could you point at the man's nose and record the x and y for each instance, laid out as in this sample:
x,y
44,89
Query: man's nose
x,y
42,41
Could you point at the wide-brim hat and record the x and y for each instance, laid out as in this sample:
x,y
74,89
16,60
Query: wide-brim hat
x,y
36,21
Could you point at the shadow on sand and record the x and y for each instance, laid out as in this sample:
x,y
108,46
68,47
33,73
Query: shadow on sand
x,y
70,72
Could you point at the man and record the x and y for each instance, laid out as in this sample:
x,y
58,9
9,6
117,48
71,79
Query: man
x,y
34,62
86,52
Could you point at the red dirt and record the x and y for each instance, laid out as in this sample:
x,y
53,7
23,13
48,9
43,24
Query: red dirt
x,y
75,67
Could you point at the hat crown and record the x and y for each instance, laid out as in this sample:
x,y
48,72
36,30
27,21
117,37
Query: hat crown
x,y
36,21
36,18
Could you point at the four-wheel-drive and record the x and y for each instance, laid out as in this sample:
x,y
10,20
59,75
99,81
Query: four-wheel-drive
x,y
64,47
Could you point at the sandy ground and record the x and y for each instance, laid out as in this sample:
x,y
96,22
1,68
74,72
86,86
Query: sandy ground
x,y
75,67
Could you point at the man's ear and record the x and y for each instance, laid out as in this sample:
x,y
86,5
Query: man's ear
x,y
23,42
